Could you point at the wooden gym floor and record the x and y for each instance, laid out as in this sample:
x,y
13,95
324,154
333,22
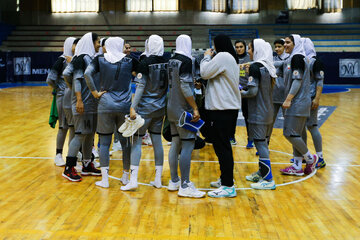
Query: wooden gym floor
x,y
36,202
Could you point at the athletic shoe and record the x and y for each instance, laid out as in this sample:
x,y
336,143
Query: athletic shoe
x,y
71,174
310,167
223,191
233,141
292,160
125,178
125,125
95,152
134,125
321,163
174,186
249,144
90,170
146,140
216,184
116,147
257,153
292,171
190,191
59,161
264,185
130,186
79,156
254,177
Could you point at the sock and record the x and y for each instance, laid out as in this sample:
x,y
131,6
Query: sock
x,y
320,154
265,169
134,173
297,163
158,172
86,162
59,151
308,157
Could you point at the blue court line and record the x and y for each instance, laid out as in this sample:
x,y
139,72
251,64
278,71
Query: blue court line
x,y
337,46
22,84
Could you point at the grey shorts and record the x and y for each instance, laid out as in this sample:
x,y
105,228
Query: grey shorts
x,y
293,126
154,125
258,132
69,116
312,121
107,122
85,123
61,114
183,133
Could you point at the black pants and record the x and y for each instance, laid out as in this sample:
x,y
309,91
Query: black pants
x,y
221,129
245,112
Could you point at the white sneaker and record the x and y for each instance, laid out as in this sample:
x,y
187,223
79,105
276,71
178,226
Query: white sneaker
x,y
216,184
174,186
105,178
116,146
156,183
79,156
130,186
125,125
95,152
223,191
134,125
146,140
59,161
125,178
190,191
264,185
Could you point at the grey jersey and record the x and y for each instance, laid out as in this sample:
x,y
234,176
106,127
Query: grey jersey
x,y
301,103
243,78
279,87
79,84
177,74
67,93
153,100
261,108
115,79
55,78
316,78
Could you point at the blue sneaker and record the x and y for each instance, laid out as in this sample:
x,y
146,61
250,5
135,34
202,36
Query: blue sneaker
x,y
223,191
233,141
250,144
321,163
257,153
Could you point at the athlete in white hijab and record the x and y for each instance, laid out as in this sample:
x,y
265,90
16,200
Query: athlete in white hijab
x,y
146,52
298,46
184,45
156,45
68,47
309,47
114,47
263,54
85,46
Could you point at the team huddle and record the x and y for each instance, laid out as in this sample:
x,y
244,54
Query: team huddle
x,y
93,83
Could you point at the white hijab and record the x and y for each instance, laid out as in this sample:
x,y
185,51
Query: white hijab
x,y
309,47
68,47
146,52
298,48
114,49
85,46
156,45
184,45
263,54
